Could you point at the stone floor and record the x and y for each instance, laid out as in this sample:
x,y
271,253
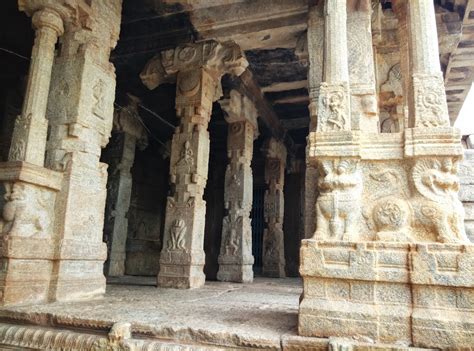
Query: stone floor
x,y
245,315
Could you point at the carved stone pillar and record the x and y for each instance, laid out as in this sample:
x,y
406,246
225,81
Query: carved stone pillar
x,y
80,110
274,207
29,135
27,216
315,47
411,284
198,69
428,107
129,133
235,259
364,109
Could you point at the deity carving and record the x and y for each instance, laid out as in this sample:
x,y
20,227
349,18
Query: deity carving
x,y
24,212
430,101
231,236
333,109
177,235
337,208
186,160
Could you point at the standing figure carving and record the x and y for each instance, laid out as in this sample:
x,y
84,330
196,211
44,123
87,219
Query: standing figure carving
x,y
338,205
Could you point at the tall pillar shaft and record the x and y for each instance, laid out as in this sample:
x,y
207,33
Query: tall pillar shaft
x,y
182,258
334,100
198,69
364,109
427,105
129,134
235,259
81,110
273,238
29,135
336,68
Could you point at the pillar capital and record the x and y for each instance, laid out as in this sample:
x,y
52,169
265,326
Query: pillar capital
x,y
48,18
217,58
275,149
75,12
128,120
239,108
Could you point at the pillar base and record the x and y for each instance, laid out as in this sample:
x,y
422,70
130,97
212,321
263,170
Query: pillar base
x,y
413,294
27,266
181,270
274,271
232,269
79,271
116,267
27,249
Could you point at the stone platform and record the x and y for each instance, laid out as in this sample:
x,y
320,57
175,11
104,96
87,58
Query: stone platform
x,y
135,315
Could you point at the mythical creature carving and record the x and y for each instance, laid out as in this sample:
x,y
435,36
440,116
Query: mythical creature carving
x,y
434,206
337,208
24,213
436,203
177,235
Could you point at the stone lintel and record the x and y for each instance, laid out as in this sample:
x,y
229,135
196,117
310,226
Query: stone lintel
x,y
18,171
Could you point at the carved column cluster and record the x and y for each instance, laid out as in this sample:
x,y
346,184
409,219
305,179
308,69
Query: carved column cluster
x,y
197,69
235,259
128,134
274,209
53,218
389,222
27,223
80,110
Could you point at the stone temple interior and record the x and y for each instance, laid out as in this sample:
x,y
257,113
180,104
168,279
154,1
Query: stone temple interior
x,y
236,175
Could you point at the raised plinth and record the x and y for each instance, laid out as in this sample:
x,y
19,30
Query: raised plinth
x,y
413,294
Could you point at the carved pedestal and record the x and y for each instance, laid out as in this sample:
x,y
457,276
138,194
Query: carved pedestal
x,y
413,294
27,232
